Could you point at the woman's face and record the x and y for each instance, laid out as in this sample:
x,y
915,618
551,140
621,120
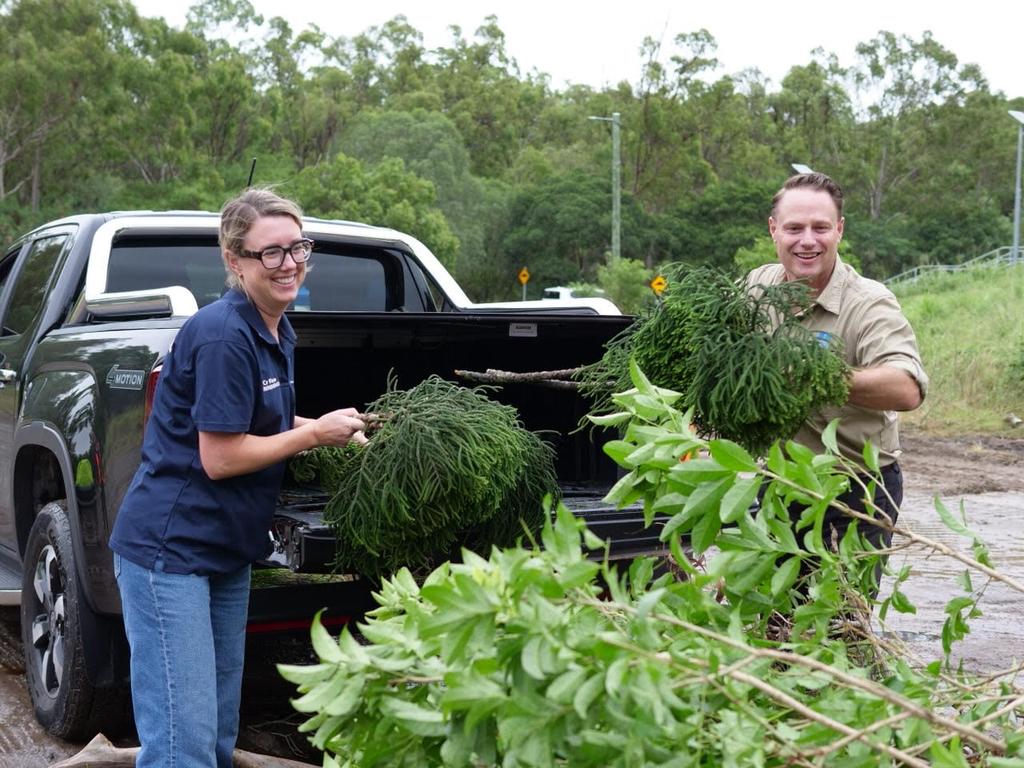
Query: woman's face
x,y
270,290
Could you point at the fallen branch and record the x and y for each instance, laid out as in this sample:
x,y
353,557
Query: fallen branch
x,y
101,753
555,379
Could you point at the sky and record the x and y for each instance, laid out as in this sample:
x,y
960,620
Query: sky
x,y
597,43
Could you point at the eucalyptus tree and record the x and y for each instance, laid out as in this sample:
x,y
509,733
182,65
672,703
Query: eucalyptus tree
x,y
811,114
896,81
57,62
484,95
385,194
431,147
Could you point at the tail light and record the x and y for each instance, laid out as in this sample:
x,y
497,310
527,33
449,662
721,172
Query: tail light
x,y
151,382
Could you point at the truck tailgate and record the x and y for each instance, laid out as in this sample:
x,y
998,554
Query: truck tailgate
x,y
305,544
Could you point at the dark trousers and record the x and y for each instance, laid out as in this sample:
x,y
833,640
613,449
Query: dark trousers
x,y
887,498
891,487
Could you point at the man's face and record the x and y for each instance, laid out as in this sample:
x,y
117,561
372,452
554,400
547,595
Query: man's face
x,y
806,228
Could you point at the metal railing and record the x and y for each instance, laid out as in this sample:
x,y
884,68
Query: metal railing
x,y
1002,256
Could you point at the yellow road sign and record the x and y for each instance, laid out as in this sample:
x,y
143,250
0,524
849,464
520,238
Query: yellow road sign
x,y
524,276
659,284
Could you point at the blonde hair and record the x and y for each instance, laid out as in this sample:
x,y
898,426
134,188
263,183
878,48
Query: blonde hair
x,y
239,214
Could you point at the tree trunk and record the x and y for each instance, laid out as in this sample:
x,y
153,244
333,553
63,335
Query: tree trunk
x,y
37,164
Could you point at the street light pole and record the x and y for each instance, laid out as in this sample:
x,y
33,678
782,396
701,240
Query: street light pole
x,y
1015,253
616,183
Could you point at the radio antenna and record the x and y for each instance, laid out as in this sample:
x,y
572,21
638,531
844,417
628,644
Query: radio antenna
x,y
252,170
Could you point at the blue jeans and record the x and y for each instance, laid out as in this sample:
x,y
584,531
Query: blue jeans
x,y
187,638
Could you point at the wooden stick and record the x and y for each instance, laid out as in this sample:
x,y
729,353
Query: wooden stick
x,y
554,379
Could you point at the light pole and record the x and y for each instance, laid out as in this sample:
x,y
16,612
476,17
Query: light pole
x,y
616,184
1015,254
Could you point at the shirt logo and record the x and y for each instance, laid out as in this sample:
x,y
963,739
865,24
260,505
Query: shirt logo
x,y
824,338
271,383
126,379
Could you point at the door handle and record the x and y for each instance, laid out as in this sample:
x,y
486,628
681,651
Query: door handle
x,y
7,375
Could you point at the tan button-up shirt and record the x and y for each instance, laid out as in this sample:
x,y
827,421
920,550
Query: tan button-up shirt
x,y
867,318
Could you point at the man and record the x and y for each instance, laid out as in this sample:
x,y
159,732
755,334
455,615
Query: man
x,y
878,343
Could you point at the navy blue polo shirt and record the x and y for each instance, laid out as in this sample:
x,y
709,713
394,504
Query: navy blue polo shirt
x,y
225,373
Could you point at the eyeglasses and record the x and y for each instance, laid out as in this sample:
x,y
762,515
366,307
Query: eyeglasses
x,y
273,256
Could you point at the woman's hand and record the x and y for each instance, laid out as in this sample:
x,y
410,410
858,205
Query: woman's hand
x,y
340,427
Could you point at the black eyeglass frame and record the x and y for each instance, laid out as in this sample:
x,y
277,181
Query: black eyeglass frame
x,y
300,251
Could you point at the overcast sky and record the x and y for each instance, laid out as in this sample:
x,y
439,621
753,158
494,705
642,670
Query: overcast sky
x,y
597,43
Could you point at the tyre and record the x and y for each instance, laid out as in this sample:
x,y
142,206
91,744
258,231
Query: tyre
x,y
53,616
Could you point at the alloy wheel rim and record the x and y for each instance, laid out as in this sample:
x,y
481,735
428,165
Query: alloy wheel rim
x,y
49,624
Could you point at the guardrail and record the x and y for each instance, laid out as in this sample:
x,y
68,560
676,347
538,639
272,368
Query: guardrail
x,y
1002,256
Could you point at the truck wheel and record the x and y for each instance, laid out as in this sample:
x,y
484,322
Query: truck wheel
x,y
66,702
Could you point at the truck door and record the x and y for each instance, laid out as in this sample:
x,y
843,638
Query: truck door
x,y
26,279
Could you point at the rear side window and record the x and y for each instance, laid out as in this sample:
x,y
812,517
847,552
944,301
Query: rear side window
x,y
31,283
347,282
146,263
342,277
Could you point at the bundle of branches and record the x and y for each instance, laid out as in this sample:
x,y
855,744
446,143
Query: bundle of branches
x,y
446,468
739,357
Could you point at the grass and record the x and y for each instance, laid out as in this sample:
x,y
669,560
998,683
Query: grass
x,y
970,327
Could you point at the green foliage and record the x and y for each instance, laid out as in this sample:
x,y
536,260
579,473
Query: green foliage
x,y
742,361
545,657
627,283
446,467
762,251
726,217
969,329
431,147
385,195
155,117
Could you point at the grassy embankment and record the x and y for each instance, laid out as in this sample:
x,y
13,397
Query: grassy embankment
x,y
970,327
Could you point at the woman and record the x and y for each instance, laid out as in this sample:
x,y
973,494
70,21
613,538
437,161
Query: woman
x,y
198,511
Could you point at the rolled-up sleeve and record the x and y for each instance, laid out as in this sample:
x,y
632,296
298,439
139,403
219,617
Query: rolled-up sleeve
x,y
886,338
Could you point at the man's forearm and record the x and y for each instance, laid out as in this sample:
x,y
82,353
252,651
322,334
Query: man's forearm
x,y
884,388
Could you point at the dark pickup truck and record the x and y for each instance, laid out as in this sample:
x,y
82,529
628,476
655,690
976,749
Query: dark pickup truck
x,y
90,306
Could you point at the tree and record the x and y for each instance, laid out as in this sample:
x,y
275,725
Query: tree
x,y
627,283
898,79
431,147
56,62
812,115
726,217
485,98
561,229
385,195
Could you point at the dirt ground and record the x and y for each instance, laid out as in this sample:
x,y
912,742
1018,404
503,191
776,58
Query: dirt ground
x,y
981,478
962,466
984,474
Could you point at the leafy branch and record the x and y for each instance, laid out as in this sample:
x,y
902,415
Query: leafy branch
x,y
764,655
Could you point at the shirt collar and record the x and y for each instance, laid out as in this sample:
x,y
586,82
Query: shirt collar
x,y
252,316
830,299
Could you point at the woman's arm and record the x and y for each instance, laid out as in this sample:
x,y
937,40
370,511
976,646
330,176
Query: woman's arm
x,y
230,454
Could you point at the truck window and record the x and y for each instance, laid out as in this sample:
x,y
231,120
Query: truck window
x,y
343,277
138,264
347,282
31,283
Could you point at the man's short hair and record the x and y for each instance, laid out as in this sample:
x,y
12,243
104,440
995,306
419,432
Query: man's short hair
x,y
815,181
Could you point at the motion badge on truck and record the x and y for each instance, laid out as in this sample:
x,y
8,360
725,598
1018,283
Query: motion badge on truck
x,y
126,379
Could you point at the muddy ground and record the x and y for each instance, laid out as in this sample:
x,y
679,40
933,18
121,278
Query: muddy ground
x,y
983,476
986,474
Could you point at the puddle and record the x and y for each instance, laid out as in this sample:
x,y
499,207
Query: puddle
x,y
995,642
